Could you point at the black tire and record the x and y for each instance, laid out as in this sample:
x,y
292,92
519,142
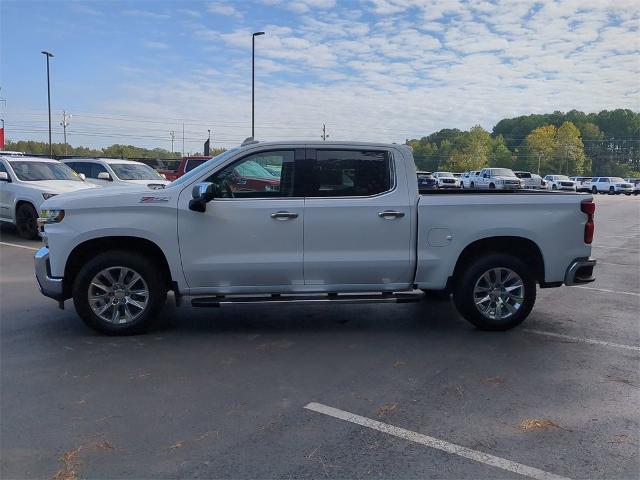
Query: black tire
x,y
436,295
472,185
554,187
492,186
612,191
156,283
465,283
594,190
26,221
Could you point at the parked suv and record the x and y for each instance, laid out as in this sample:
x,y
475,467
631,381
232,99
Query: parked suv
x,y
470,179
583,184
426,181
531,180
498,178
446,180
560,182
611,185
26,182
109,171
636,185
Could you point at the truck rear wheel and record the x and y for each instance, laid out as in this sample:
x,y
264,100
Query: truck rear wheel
x,y
119,293
495,292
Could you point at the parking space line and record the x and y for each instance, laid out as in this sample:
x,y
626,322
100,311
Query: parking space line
x,y
19,246
582,340
605,290
436,443
600,262
616,248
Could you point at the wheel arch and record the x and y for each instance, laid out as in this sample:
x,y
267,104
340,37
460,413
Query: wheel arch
x,y
92,247
520,247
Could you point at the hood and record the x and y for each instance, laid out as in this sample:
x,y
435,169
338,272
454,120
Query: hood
x,y
60,186
149,182
506,177
116,196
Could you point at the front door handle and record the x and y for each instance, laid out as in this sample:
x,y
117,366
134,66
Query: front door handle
x,y
390,214
284,215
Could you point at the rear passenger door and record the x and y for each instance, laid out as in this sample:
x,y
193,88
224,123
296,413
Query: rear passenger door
x,y
357,228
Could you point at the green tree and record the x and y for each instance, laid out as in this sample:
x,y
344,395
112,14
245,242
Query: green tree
x,y
541,144
569,150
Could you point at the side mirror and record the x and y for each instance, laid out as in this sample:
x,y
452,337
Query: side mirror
x,y
201,194
104,176
4,177
82,176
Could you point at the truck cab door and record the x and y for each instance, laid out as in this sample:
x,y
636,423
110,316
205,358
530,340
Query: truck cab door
x,y
6,195
249,239
358,220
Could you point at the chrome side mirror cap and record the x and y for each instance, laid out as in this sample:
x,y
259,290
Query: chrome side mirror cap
x,y
4,177
201,194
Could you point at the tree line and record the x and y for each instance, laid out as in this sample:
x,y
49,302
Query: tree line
x,y
572,143
112,151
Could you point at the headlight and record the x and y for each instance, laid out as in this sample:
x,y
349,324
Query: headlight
x,y
50,216
47,196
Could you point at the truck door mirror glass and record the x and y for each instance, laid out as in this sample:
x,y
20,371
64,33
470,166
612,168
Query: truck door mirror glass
x,y
201,193
4,177
83,176
104,176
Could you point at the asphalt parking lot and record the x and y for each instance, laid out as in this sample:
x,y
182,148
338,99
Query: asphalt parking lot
x,y
222,392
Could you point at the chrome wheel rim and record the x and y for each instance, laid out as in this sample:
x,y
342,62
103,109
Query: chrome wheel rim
x,y
118,295
499,293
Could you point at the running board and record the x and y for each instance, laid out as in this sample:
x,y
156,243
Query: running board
x,y
345,298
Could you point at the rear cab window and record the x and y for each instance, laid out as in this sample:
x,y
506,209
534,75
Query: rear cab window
x,y
348,173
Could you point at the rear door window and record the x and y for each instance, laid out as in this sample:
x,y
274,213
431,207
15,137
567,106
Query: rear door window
x,y
348,173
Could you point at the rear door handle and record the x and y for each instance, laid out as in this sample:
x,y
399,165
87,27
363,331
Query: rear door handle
x,y
284,215
390,214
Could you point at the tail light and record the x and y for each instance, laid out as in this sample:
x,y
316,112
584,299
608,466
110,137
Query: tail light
x,y
588,207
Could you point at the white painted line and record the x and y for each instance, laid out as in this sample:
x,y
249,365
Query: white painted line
x,y
605,290
616,248
583,340
19,246
636,237
600,262
432,442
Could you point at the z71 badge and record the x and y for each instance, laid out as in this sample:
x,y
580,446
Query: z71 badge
x,y
154,199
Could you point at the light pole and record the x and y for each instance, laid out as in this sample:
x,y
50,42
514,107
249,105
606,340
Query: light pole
x,y
253,80
49,55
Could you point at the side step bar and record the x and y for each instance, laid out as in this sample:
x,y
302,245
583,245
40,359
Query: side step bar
x,y
345,298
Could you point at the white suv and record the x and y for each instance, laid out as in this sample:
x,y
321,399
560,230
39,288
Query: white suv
x,y
446,180
560,182
498,178
26,182
109,171
611,185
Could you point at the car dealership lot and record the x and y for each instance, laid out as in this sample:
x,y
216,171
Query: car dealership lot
x,y
222,393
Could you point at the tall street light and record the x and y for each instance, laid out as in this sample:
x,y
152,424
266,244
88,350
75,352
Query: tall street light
x,y
253,81
49,55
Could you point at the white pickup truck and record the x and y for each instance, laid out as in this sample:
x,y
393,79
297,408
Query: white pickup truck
x,y
307,223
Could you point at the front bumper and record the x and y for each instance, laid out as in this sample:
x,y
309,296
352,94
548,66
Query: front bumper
x,y
580,271
49,286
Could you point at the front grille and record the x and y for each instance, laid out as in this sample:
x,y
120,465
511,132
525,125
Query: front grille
x,y
566,184
448,180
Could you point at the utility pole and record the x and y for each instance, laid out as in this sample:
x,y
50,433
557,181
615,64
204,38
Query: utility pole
x,y
182,139
253,81
539,156
65,123
566,157
173,137
49,55
324,135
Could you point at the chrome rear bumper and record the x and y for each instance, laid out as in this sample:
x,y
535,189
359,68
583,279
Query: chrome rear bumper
x,y
49,286
580,271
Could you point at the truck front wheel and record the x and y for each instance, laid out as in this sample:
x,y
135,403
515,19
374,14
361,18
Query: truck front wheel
x,y
119,293
495,292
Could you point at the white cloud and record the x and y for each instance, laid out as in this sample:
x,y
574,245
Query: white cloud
x,y
145,14
155,45
222,8
84,9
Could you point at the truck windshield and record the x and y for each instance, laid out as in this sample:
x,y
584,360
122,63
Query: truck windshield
x,y
38,171
502,172
189,176
134,171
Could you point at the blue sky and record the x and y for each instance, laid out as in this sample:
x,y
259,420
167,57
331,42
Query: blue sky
x,y
385,70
